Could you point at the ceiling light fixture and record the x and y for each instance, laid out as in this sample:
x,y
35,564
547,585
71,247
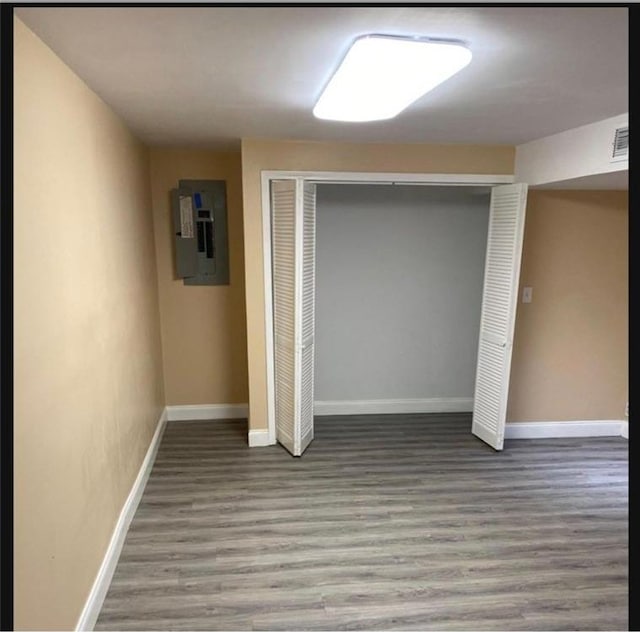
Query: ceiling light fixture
x,y
382,74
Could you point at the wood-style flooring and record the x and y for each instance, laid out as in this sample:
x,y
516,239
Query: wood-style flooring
x,y
403,522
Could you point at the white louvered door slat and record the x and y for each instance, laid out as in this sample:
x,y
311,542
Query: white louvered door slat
x,y
499,301
293,265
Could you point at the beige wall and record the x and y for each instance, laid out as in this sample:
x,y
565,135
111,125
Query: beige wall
x,y
260,154
570,354
203,327
88,365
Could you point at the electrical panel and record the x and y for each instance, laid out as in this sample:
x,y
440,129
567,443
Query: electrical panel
x,y
200,228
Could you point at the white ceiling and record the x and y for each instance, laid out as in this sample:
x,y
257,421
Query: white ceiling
x,y
208,76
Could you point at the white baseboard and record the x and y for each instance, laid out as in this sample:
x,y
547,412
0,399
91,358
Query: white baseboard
x,y
203,412
259,438
394,406
93,605
558,429
624,429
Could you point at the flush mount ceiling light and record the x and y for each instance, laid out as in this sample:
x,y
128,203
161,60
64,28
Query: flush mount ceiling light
x,y
382,74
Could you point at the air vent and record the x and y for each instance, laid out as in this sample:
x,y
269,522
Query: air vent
x,y
621,144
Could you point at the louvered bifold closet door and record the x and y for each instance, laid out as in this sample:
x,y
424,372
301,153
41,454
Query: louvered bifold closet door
x,y
499,300
283,238
307,303
293,264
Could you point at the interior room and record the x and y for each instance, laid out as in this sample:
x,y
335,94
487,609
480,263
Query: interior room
x,y
289,359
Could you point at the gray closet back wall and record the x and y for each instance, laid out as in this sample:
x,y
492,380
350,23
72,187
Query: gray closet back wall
x,y
399,273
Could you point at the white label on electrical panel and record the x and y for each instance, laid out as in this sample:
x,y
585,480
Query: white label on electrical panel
x,y
186,216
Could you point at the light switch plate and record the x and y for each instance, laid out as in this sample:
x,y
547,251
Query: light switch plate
x,y
527,294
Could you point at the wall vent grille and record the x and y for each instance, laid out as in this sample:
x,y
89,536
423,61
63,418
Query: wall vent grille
x,y
621,144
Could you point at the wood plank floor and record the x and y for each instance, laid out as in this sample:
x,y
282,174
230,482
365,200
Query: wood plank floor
x,y
387,522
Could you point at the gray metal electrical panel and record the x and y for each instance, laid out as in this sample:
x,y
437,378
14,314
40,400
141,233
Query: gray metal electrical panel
x,y
200,228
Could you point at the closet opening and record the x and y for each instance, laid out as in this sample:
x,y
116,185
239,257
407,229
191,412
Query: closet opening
x,y
398,294
389,296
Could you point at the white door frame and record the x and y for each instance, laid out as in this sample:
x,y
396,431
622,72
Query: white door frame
x,y
337,177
